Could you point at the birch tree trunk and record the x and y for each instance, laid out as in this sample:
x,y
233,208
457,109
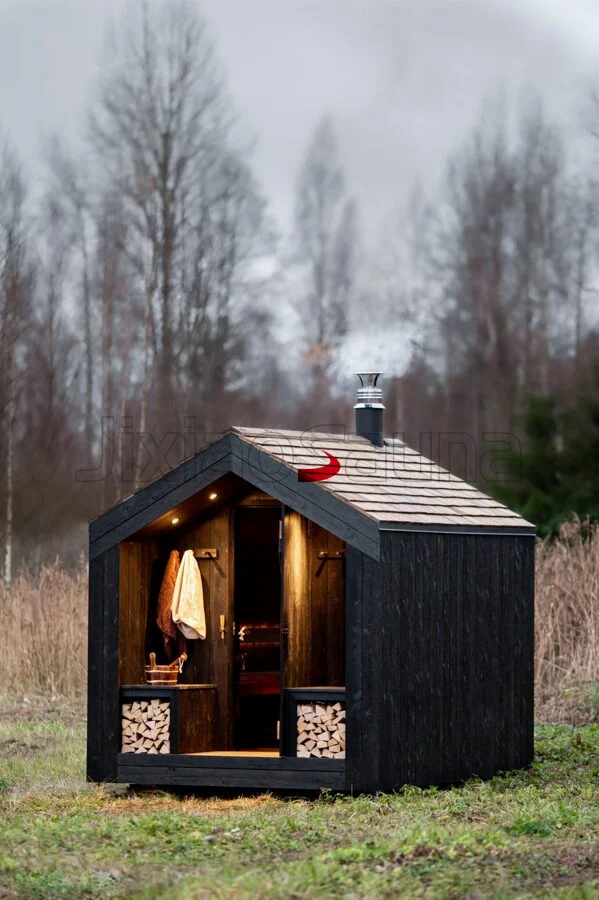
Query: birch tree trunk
x,y
8,512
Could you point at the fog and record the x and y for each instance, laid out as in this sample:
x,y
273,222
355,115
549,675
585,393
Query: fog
x,y
404,80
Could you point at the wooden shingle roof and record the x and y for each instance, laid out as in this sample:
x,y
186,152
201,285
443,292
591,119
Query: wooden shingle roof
x,y
394,485
375,489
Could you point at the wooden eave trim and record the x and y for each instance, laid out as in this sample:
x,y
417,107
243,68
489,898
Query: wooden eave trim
x,y
232,453
175,480
496,531
139,516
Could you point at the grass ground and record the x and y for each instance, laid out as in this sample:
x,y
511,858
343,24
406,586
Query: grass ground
x,y
533,833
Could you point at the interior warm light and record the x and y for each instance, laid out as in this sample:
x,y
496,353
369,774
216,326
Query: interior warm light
x,y
212,496
175,520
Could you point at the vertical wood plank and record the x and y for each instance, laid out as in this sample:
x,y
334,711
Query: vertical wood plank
x,y
221,580
433,609
335,614
95,665
111,717
392,742
353,665
373,677
494,559
314,623
508,626
481,652
197,720
454,639
410,687
325,626
126,551
137,606
297,600
524,653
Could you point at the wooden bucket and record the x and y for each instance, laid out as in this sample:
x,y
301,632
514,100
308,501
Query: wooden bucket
x,y
164,675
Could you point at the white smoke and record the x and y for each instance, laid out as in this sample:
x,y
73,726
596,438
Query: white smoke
x,y
374,349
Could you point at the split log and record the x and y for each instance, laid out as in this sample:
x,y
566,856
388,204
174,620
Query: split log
x,y
145,726
321,730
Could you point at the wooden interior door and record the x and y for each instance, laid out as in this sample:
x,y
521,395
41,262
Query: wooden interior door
x,y
257,660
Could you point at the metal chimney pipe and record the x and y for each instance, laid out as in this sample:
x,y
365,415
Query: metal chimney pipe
x,y
370,408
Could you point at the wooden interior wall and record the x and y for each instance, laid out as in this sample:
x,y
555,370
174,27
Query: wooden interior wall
x,y
314,604
257,498
296,592
138,573
210,660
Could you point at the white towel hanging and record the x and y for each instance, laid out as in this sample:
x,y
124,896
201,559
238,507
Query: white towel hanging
x,y
187,608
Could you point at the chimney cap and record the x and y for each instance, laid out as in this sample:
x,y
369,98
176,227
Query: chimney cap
x,y
369,394
369,379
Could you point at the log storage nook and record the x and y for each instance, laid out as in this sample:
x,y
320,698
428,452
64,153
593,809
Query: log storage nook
x,y
324,611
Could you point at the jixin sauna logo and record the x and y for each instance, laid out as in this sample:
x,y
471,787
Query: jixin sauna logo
x,y
323,473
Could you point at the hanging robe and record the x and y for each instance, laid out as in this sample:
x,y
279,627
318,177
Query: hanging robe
x,y
164,619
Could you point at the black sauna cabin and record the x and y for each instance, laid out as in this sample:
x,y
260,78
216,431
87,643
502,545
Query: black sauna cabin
x,y
364,631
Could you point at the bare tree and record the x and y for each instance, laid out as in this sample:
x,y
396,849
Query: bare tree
x,y
159,105
69,185
470,263
539,243
229,239
325,238
13,300
50,402
582,219
500,259
195,221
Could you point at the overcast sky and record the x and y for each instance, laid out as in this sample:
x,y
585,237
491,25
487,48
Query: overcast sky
x,y
404,79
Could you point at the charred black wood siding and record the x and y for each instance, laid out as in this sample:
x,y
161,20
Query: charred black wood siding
x,y
363,695
103,719
354,561
440,659
252,773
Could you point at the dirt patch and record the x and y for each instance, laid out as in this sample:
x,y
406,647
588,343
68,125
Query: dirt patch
x,y
119,801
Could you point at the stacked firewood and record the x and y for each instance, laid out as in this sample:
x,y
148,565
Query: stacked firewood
x,y
321,730
146,726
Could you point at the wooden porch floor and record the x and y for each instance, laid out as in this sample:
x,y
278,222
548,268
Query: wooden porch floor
x,y
265,753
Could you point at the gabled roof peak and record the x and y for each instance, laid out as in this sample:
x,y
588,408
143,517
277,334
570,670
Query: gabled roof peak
x,y
368,489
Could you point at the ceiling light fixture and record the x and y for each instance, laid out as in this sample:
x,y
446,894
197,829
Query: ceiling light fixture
x,y
213,496
175,520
